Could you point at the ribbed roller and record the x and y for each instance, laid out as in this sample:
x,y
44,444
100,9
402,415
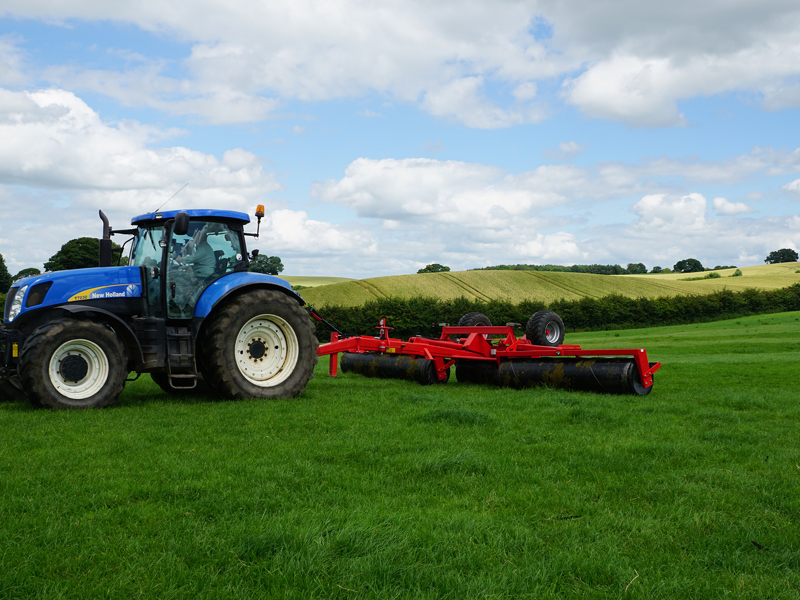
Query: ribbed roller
x,y
477,371
608,375
391,366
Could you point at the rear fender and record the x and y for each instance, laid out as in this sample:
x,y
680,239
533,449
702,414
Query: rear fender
x,y
237,283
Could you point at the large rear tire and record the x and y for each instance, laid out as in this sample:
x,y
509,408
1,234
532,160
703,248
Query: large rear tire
x,y
260,345
545,328
73,364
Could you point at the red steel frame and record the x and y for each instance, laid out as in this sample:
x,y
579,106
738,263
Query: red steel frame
x,y
477,345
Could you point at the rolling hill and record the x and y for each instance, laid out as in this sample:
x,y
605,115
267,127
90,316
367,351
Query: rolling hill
x,y
547,286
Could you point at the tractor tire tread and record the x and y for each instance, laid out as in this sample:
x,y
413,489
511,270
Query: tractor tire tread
x,y
35,358
223,375
474,319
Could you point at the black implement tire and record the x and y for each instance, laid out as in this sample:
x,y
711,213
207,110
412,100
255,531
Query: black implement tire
x,y
474,319
73,364
545,328
259,345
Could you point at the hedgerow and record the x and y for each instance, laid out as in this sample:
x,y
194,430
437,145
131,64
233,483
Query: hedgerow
x,y
423,316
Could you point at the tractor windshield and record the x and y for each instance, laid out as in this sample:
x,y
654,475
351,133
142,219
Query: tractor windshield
x,y
208,251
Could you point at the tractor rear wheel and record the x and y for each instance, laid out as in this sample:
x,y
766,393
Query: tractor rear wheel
x,y
260,345
73,364
545,328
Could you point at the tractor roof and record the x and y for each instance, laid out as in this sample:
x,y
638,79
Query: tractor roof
x,y
198,213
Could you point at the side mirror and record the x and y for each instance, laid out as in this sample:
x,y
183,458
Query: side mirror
x,y
181,226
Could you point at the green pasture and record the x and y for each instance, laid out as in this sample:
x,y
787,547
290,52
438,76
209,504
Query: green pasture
x,y
545,286
364,488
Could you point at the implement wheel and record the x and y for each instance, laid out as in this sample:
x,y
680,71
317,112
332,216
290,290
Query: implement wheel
x,y
260,345
545,328
73,364
474,319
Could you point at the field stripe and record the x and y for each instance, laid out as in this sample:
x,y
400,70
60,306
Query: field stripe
x,y
371,289
465,286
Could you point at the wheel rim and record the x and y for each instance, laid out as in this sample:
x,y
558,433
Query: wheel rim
x,y
78,369
552,332
266,350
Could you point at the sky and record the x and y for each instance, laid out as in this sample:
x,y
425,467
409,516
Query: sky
x,y
385,135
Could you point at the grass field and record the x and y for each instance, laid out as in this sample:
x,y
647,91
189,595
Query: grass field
x,y
546,286
366,488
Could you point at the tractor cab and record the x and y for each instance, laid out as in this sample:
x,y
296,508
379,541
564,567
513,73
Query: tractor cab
x,y
183,256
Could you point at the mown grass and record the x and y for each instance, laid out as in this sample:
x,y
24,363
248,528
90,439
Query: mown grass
x,y
368,488
544,286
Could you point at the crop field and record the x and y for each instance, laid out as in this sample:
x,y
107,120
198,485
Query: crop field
x,y
309,281
546,286
364,488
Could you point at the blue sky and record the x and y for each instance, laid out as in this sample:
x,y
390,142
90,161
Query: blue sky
x,y
383,136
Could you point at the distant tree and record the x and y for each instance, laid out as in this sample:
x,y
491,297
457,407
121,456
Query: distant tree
x,y
688,265
269,265
656,270
5,276
777,256
434,268
636,268
27,273
80,253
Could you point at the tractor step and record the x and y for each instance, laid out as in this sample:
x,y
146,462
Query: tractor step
x,y
180,363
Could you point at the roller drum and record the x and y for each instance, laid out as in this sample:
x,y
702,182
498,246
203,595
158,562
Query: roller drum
x,y
605,375
391,366
477,371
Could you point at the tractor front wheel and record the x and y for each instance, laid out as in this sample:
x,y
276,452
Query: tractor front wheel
x,y
261,345
73,364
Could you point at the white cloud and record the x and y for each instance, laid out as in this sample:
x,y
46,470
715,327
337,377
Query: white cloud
x,y
727,208
52,139
11,70
628,60
792,187
565,151
659,211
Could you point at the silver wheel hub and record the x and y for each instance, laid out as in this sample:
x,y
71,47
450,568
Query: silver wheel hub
x,y
266,350
552,332
78,369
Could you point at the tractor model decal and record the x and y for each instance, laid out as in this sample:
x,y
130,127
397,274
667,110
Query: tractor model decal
x,y
104,292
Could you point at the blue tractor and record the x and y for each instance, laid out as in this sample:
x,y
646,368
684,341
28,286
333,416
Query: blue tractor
x,y
185,310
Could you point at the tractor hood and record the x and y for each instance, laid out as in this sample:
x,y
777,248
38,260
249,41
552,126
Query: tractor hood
x,y
78,285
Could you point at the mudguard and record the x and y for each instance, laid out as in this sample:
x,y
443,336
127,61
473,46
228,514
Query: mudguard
x,y
224,286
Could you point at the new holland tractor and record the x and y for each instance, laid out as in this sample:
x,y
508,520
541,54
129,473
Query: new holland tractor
x,y
185,309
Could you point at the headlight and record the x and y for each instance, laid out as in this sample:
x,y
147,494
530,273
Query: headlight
x,y
16,303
